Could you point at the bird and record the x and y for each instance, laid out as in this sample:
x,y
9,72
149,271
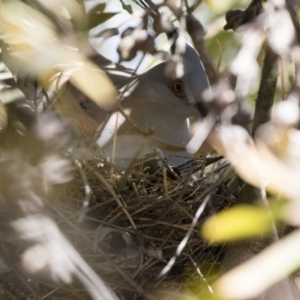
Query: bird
x,y
152,103
153,110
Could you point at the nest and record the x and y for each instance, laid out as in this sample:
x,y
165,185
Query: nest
x,y
130,229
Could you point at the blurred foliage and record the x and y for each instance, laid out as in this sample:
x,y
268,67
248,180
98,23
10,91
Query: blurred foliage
x,y
46,44
221,7
240,222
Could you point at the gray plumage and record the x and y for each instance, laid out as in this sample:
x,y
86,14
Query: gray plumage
x,y
151,103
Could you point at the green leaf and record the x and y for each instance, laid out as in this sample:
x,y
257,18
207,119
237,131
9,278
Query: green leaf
x,y
127,7
97,9
239,222
220,6
97,19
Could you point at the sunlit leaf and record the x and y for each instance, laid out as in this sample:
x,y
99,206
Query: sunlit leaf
x,y
23,27
242,221
32,46
220,6
68,9
273,264
40,52
95,85
255,162
27,33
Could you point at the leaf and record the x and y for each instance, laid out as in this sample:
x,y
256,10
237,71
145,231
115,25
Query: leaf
x,y
98,18
255,162
126,7
66,10
94,83
252,278
99,8
93,14
220,6
26,48
11,95
243,221
107,33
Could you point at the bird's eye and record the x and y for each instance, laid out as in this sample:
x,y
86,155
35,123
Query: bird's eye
x,y
177,87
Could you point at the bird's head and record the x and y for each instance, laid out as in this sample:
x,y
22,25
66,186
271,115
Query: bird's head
x,y
181,94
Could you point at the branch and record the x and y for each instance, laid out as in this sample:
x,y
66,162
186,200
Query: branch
x,y
266,92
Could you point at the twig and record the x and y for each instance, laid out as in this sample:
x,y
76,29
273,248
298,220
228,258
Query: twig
x,y
183,243
112,192
88,191
266,204
208,286
266,92
291,9
50,293
213,73
130,281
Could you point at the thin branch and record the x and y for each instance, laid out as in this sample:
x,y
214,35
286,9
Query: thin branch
x,y
266,92
290,5
183,243
87,189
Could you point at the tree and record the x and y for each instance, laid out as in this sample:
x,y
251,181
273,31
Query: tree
x,y
49,73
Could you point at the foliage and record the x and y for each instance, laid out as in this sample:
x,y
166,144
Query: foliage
x,y
48,66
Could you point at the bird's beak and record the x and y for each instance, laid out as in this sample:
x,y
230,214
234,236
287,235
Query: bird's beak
x,y
197,102
202,108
